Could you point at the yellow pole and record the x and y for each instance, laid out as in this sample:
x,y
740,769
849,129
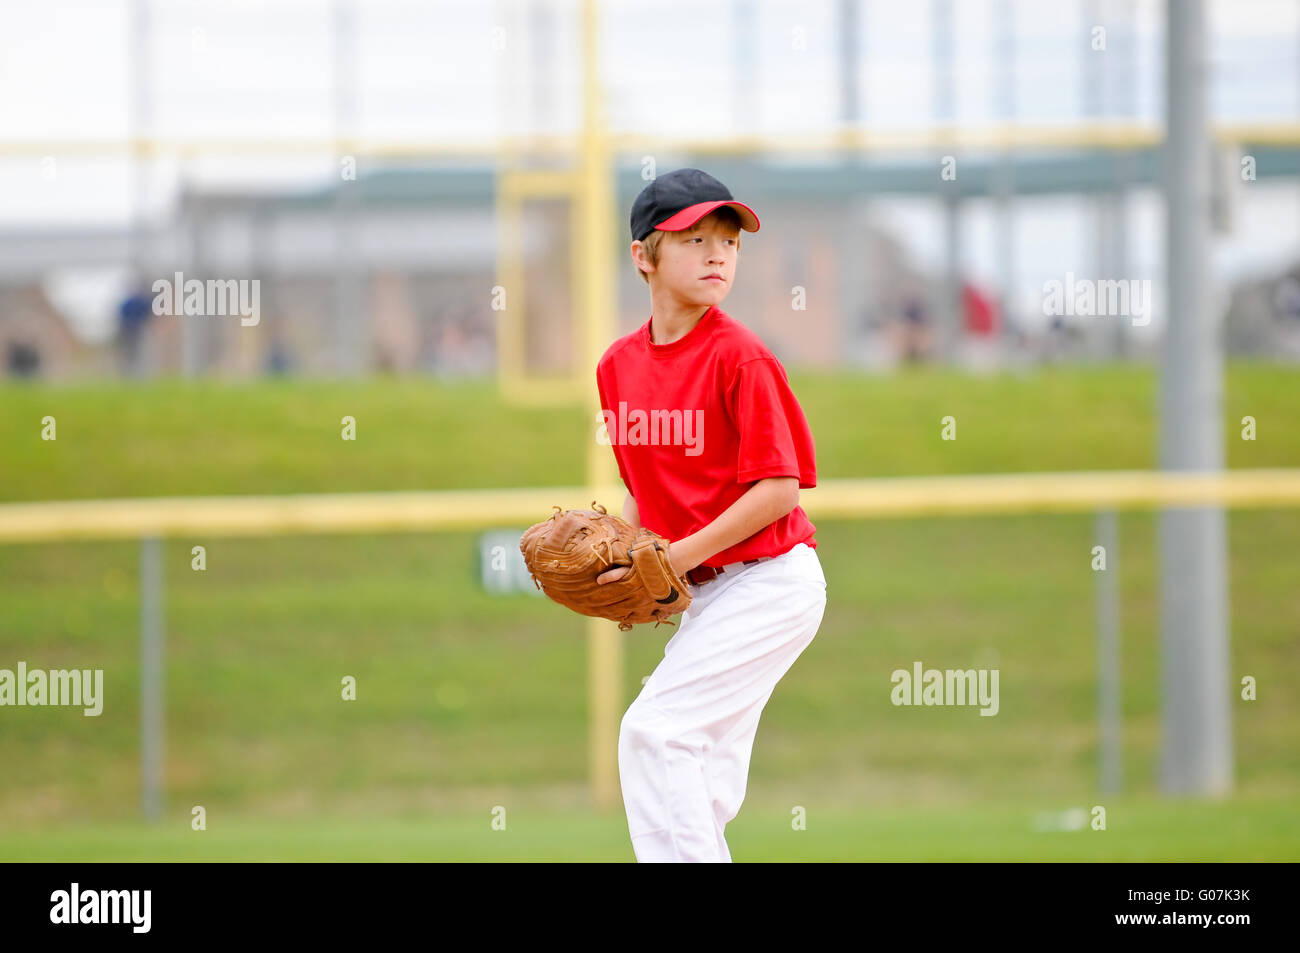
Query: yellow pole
x,y
594,275
510,279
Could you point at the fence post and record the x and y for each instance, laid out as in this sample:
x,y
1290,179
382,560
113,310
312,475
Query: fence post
x,y
151,675
1110,744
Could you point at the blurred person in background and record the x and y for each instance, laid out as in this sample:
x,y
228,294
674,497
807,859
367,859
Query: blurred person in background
x,y
132,318
981,322
916,336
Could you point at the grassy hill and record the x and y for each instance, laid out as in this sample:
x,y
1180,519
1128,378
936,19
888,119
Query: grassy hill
x,y
282,436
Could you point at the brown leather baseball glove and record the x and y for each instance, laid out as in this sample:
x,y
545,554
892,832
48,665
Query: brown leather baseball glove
x,y
567,552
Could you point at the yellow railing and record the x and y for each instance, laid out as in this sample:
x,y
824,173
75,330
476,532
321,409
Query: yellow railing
x,y
480,509
1084,134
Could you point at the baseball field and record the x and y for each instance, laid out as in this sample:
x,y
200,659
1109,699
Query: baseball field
x,y
472,706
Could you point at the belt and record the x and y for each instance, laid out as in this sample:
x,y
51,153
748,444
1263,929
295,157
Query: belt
x,y
702,574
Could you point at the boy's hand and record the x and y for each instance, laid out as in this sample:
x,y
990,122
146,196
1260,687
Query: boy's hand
x,y
568,552
678,557
610,575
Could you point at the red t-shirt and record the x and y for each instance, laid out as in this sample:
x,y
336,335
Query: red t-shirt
x,y
695,423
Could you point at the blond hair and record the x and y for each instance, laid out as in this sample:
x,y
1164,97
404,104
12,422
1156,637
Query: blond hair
x,y
724,214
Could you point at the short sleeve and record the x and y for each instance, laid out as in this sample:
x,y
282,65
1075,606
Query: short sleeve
x,y
607,404
775,439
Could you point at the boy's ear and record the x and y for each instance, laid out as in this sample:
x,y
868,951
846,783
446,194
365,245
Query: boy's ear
x,y
639,259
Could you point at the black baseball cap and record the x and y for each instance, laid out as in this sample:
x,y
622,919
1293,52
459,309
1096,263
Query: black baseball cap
x,y
676,200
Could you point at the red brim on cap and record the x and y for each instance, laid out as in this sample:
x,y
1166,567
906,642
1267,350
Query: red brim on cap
x,y
693,213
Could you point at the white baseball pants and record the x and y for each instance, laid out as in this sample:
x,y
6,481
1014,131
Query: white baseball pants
x,y
685,742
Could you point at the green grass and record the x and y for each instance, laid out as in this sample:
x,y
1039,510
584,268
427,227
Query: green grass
x,y
283,436
1136,830
466,698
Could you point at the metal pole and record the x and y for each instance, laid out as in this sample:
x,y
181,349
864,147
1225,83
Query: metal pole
x,y
544,68
948,316
948,338
141,60
744,58
853,251
1197,738
1100,334
1110,748
151,676
1123,100
255,350
1095,66
351,308
1116,251
194,347
847,14
1004,176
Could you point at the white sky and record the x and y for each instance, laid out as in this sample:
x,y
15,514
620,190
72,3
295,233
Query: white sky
x,y
431,72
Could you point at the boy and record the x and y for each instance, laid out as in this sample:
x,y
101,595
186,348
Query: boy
x,y
717,472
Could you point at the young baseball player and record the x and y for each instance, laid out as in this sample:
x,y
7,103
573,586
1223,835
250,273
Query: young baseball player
x,y
713,448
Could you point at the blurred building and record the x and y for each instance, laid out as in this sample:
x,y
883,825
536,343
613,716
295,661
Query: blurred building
x,y
35,339
397,272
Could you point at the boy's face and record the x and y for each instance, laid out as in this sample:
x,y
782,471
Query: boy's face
x,y
696,267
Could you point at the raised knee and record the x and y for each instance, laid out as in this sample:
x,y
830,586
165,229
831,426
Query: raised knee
x,y
643,727
650,729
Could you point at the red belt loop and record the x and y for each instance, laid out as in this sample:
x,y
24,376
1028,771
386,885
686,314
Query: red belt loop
x,y
702,574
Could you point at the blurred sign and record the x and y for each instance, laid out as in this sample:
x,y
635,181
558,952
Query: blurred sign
x,y
501,564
